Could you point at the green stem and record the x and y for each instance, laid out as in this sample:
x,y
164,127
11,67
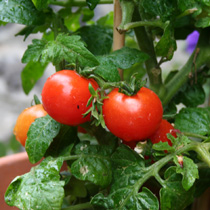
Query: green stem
x,y
195,61
72,157
195,135
77,3
146,45
203,152
79,206
155,23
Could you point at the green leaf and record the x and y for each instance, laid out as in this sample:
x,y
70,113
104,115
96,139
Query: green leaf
x,y
141,201
92,3
69,48
40,4
3,149
167,44
161,146
107,70
41,188
165,9
63,143
101,42
128,171
193,120
173,196
20,11
93,164
39,137
203,22
189,170
107,20
125,57
31,73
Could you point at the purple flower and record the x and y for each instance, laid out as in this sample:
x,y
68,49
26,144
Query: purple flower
x,y
192,40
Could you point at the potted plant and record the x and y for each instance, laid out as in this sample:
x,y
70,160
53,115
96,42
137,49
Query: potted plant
x,y
110,113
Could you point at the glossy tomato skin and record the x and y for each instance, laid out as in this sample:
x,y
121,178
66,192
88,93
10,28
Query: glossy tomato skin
x,y
25,119
132,118
161,133
65,95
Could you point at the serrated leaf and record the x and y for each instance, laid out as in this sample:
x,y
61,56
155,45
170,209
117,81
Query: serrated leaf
x,y
40,4
162,146
63,143
31,73
203,22
41,188
69,48
173,196
39,137
189,171
93,164
193,120
20,11
101,42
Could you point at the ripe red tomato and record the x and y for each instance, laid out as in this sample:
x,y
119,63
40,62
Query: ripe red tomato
x,y
161,133
132,118
24,121
65,95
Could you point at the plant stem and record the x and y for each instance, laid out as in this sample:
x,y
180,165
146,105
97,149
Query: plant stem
x,y
78,3
199,57
71,157
144,23
118,39
203,152
79,206
195,135
146,45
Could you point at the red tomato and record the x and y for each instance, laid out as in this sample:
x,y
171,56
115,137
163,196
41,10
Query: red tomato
x,y
132,118
24,121
162,131
65,95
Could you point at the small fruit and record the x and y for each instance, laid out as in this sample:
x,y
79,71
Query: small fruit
x,y
24,121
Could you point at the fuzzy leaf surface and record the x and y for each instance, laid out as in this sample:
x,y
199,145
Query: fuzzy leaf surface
x,y
41,188
69,48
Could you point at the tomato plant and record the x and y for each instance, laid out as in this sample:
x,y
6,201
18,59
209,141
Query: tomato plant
x,y
25,119
126,80
65,96
161,133
132,118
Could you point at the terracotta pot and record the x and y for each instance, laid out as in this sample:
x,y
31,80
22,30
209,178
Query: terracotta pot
x,y
10,167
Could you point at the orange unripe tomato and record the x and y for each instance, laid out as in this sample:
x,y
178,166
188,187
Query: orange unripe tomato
x,y
24,121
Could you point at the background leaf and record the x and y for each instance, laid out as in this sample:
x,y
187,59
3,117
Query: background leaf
x,y
92,3
193,120
101,42
40,4
39,137
31,73
20,11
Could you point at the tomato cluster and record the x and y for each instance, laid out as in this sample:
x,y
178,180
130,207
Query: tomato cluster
x,y
65,96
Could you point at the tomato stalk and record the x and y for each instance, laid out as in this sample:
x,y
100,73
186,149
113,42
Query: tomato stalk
x,y
196,60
